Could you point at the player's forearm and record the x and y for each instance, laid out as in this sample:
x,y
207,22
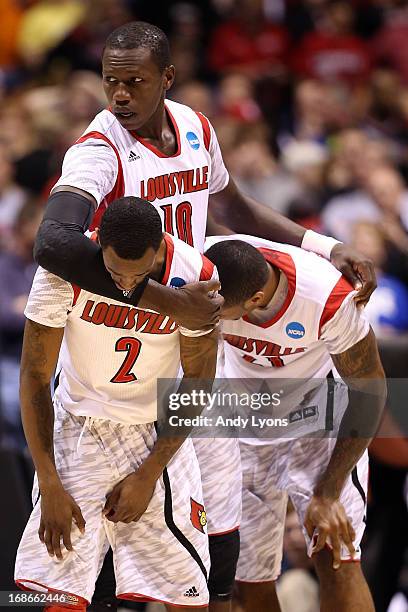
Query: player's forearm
x,y
199,357
345,456
361,369
265,223
160,298
37,415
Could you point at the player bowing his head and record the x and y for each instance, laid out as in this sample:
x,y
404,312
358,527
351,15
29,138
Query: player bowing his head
x,y
291,315
104,477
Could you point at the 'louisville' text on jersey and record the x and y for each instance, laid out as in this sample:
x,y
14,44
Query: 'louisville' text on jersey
x,y
167,185
125,317
262,348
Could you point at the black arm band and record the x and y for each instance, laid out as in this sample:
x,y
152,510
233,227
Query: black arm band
x,y
62,248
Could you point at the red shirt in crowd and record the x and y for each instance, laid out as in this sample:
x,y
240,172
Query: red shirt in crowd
x,y
330,57
232,45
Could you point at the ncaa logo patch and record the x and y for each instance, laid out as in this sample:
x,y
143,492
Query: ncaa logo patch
x,y
177,282
193,140
295,330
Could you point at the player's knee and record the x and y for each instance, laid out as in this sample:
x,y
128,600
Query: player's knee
x,y
224,553
348,571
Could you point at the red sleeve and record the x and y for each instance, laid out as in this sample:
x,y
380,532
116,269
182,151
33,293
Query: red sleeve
x,y
207,269
339,293
205,124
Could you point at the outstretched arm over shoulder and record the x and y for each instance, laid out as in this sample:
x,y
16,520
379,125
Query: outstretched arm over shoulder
x,y
247,216
62,248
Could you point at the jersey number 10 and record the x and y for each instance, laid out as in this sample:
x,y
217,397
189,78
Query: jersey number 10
x,y
182,216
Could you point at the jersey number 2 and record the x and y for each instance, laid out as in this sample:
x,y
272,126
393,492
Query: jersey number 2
x,y
132,346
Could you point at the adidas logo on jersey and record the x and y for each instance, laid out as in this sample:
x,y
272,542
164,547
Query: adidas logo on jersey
x,y
133,156
192,592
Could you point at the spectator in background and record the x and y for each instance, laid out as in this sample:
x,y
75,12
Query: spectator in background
x,y
309,120
249,43
354,157
17,270
10,17
381,196
26,145
236,98
389,46
12,197
332,51
306,162
197,95
387,309
382,199
44,25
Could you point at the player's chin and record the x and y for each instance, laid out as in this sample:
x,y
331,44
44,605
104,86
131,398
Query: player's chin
x,y
129,121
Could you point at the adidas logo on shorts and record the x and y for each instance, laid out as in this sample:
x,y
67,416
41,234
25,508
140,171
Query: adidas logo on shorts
x,y
192,592
133,156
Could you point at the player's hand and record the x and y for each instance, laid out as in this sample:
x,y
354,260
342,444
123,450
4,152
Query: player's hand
x,y
358,269
58,509
196,308
130,498
327,518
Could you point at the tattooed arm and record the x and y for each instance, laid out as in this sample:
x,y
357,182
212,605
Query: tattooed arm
x,y
361,369
130,498
38,360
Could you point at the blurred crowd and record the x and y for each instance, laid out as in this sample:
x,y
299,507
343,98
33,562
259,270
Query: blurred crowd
x,y
309,99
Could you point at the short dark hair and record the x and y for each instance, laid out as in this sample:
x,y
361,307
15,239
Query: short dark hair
x,y
130,226
242,269
141,34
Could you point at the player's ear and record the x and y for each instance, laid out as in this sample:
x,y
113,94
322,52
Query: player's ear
x,y
96,235
168,77
254,301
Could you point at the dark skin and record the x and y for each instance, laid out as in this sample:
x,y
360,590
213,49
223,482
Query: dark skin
x,y
135,88
342,585
129,498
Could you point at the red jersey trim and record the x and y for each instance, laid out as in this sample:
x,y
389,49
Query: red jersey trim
x,y
339,293
22,584
119,187
154,149
146,598
206,130
207,269
218,533
77,291
284,262
169,258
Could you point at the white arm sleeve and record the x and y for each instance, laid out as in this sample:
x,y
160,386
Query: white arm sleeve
x,y
91,166
347,327
50,300
219,173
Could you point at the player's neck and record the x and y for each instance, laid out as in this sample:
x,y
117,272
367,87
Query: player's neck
x,y
271,285
156,274
159,131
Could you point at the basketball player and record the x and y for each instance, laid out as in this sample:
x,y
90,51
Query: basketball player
x,y
104,467
289,317
167,153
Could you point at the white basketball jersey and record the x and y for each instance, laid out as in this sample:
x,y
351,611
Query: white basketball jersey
x,y
112,354
317,318
109,161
